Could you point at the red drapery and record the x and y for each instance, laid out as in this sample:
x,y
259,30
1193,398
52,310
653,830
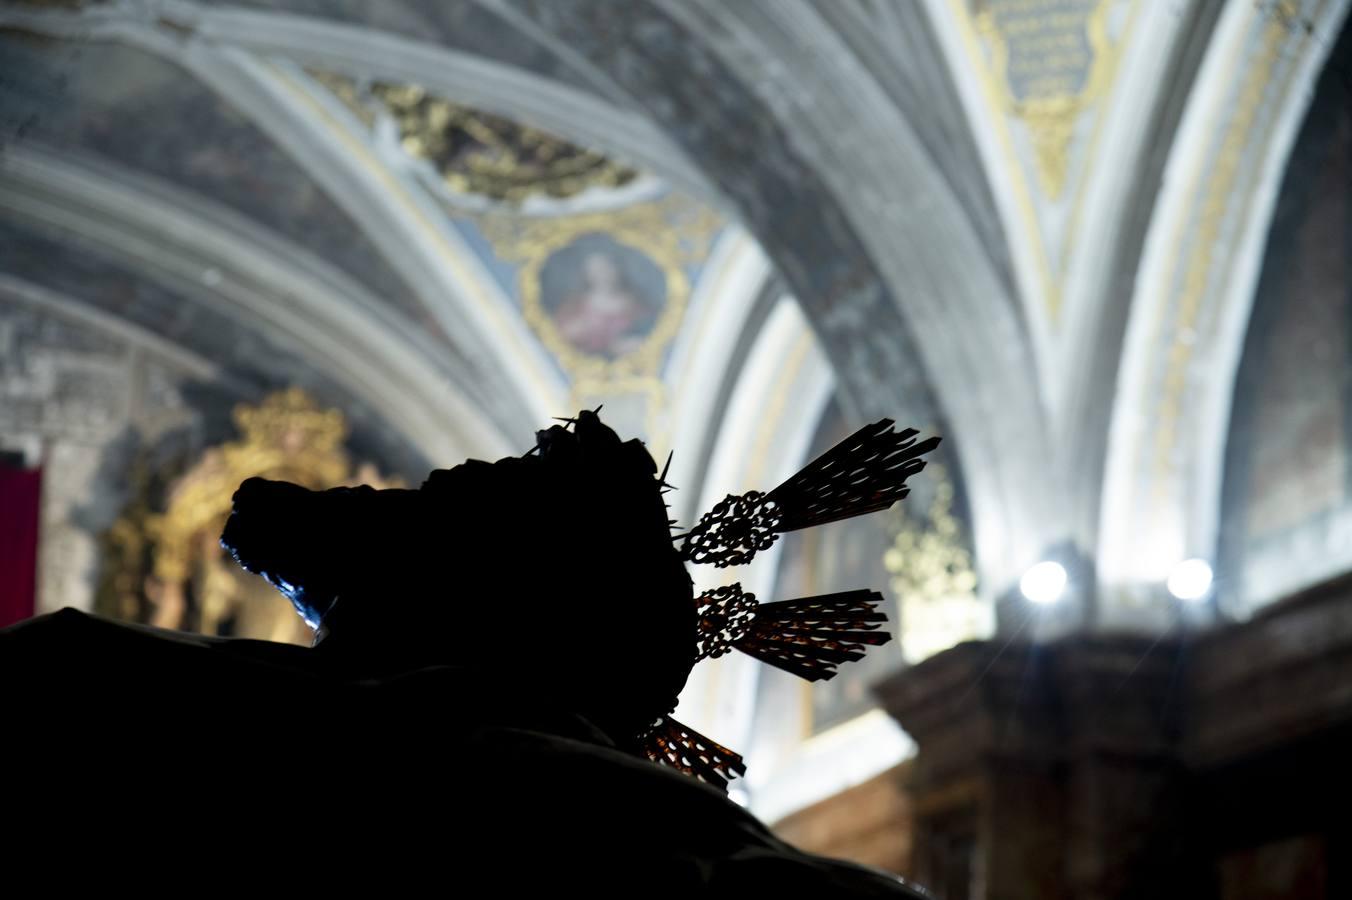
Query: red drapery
x,y
19,493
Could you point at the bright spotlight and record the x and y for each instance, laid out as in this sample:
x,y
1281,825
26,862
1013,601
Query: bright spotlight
x,y
1190,579
1044,582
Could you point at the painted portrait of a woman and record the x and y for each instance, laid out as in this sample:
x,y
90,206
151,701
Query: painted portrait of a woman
x,y
603,296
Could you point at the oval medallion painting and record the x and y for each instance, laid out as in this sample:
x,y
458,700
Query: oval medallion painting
x,y
602,297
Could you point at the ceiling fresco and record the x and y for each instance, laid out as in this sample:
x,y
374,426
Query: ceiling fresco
x,y
598,260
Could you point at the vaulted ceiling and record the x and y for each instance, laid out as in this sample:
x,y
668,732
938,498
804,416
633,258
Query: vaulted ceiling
x,y
1037,227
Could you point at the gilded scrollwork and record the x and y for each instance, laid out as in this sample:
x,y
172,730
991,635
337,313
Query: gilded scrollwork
x,y
476,152
932,575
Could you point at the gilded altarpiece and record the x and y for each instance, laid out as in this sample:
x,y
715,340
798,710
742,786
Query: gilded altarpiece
x,y
162,560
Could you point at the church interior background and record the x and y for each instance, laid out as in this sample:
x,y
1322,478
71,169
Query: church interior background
x,y
1102,246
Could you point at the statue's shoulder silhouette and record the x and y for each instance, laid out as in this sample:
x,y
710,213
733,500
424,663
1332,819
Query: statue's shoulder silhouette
x,y
499,654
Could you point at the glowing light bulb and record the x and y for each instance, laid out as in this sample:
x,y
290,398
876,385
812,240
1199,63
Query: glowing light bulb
x,y
1044,582
1190,579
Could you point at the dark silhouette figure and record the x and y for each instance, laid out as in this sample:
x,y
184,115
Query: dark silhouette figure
x,y
495,652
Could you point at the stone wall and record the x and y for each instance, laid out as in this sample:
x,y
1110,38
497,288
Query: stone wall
x,y
869,823
1120,766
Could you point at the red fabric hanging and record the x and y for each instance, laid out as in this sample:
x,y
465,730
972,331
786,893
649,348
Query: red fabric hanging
x,y
19,498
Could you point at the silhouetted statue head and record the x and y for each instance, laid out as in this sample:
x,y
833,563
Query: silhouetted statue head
x,y
554,572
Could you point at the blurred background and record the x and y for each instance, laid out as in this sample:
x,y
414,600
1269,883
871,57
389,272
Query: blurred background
x,y
1101,246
